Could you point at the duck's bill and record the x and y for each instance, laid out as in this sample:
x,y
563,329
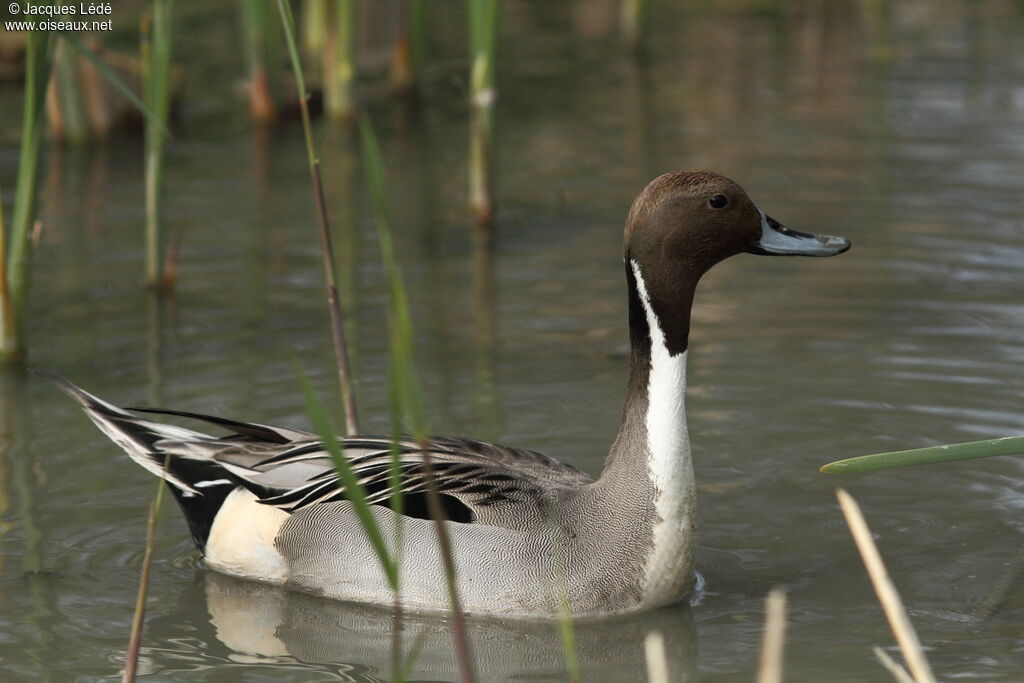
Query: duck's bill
x,y
778,240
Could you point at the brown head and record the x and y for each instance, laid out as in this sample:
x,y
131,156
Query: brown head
x,y
685,222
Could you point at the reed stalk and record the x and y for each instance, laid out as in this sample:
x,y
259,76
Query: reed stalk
x,y
156,89
8,330
987,448
15,268
314,26
407,56
340,60
262,56
633,20
566,627
483,33
567,636
355,493
131,662
904,631
654,655
327,249
773,639
894,667
406,395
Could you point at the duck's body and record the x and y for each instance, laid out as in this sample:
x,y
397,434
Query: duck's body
x,y
526,531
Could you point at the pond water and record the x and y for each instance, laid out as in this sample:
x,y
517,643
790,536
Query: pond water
x,y
903,132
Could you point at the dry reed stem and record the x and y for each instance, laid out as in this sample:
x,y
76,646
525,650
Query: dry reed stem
x,y
327,249
904,631
459,634
773,639
894,667
654,653
135,641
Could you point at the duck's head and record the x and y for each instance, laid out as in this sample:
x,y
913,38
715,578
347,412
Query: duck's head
x,y
691,220
685,222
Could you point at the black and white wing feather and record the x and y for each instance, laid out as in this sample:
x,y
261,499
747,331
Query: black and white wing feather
x,y
475,472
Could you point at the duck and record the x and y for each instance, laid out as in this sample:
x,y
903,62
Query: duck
x,y
527,533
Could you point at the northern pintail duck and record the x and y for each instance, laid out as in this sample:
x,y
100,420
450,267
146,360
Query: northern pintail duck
x,y
265,502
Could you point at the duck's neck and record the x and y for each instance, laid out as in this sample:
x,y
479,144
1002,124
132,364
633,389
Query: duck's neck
x,y
650,459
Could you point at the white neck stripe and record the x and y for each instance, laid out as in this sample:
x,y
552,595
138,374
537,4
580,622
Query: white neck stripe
x,y
669,465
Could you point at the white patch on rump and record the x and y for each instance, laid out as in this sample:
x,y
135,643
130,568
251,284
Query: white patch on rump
x,y
670,466
242,537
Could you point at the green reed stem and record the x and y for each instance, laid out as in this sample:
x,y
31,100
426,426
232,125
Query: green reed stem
x,y
483,32
340,60
327,249
38,62
135,641
988,448
156,89
314,26
405,383
634,23
262,56
354,491
567,635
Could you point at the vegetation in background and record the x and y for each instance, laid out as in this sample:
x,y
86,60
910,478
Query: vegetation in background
x,y
314,26
263,53
337,326
15,268
340,60
407,57
68,120
156,91
634,20
483,43
988,448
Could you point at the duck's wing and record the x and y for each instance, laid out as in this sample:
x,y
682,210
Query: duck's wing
x,y
291,469
477,473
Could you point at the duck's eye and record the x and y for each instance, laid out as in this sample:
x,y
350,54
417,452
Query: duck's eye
x,y
718,201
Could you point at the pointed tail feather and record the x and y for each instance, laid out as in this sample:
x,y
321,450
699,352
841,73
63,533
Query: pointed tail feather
x,y
199,483
139,438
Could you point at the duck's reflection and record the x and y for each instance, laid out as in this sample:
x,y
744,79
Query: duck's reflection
x,y
259,622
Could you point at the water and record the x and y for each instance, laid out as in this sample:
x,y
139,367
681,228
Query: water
x,y
904,135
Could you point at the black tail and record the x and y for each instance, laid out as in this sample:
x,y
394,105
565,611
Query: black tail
x,y
198,482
